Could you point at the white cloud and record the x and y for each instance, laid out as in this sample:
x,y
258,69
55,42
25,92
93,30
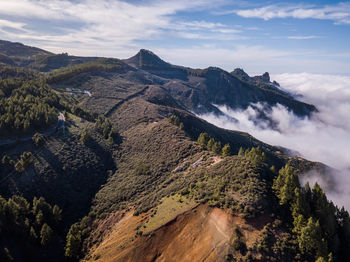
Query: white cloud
x,y
6,23
106,26
302,37
324,137
339,13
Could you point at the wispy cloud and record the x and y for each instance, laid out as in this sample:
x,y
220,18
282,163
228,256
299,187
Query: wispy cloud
x,y
302,37
98,25
339,13
204,30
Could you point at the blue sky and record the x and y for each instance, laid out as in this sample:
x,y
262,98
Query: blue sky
x,y
258,36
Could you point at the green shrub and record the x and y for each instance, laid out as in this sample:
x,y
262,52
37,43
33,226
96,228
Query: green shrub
x,y
38,139
85,137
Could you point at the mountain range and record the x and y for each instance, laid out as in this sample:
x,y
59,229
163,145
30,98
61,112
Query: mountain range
x,y
139,176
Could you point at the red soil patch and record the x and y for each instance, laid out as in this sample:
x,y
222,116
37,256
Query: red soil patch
x,y
201,234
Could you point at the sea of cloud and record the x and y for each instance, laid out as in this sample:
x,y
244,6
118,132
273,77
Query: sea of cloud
x,y
323,137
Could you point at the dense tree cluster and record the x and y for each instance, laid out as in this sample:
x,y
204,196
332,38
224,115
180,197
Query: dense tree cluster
x,y
175,120
255,155
322,230
102,64
209,143
29,225
20,165
25,160
17,73
26,106
105,128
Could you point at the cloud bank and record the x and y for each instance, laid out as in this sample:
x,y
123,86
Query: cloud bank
x,y
339,13
324,137
111,27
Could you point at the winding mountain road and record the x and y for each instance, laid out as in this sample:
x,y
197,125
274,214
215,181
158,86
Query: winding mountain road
x,y
60,124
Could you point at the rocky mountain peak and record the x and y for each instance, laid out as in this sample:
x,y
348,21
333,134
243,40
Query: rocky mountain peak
x,y
146,59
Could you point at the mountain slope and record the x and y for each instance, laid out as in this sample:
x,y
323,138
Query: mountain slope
x,y
198,90
135,184
18,54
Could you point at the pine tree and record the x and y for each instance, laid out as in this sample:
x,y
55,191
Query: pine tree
x,y
46,234
310,239
217,147
324,212
226,150
73,242
241,152
210,145
181,126
299,204
285,184
32,234
203,140
299,223
57,214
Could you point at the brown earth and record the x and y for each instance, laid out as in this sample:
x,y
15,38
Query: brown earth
x,y
201,234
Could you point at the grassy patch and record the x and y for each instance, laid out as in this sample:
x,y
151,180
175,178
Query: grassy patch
x,y
169,208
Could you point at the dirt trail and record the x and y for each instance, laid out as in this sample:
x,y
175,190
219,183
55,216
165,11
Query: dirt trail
x,y
60,123
115,107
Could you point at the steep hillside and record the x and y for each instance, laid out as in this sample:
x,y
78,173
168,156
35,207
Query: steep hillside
x,y
136,176
205,233
200,90
18,54
51,62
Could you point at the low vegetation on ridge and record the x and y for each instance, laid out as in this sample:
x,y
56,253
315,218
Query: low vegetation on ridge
x,y
132,153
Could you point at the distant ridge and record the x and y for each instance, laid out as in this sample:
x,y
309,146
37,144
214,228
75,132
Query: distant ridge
x,y
197,90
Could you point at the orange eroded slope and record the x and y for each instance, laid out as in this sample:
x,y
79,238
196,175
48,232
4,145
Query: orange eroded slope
x,y
201,234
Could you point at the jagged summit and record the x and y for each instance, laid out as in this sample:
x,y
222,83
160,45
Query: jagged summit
x,y
146,59
241,74
263,78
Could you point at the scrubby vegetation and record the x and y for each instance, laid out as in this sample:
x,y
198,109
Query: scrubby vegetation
x,y
38,139
24,162
85,137
157,167
20,165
